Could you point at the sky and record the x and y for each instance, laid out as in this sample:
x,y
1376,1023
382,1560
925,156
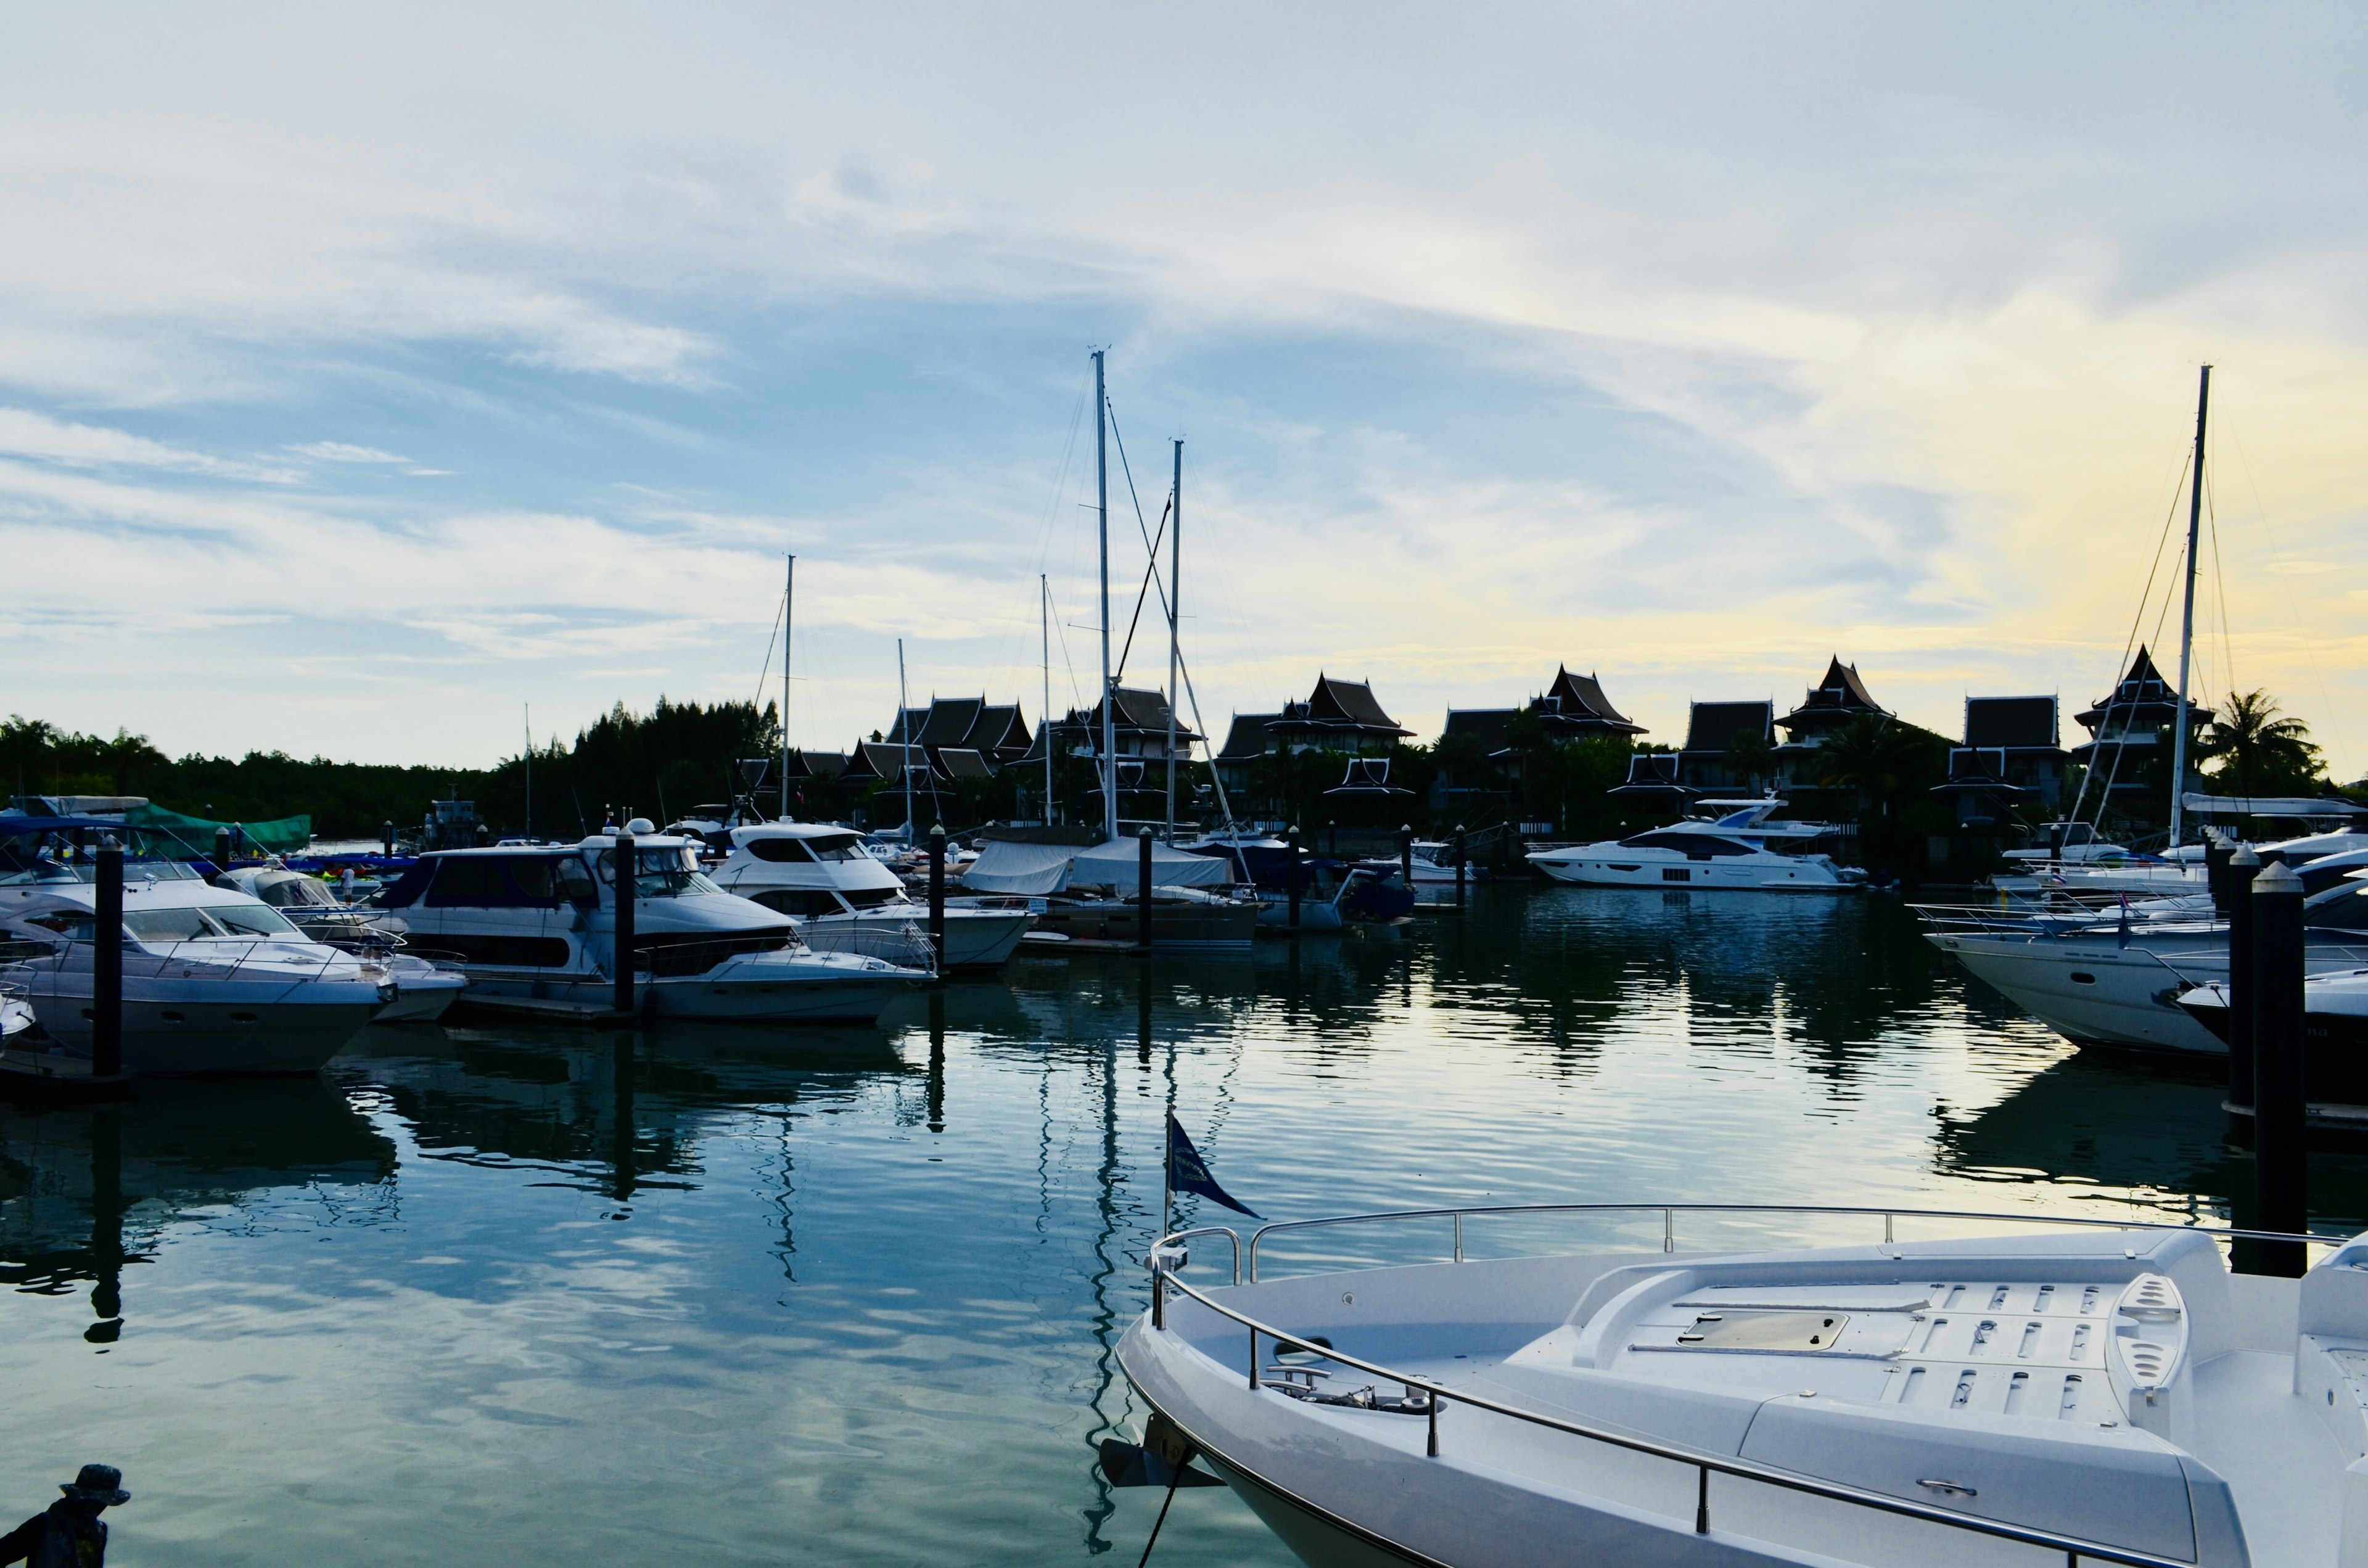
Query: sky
x,y
371,380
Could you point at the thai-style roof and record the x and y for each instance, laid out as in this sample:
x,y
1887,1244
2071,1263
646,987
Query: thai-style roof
x,y
2143,700
1348,704
961,762
1137,711
818,764
1367,775
950,720
1839,697
1246,741
1710,726
1486,725
1579,700
885,760
2020,721
910,723
1000,733
1979,770
1651,773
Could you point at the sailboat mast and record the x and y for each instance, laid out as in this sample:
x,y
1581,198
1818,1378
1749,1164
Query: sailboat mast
x,y
1101,511
2186,617
528,709
1044,715
789,605
1174,592
905,734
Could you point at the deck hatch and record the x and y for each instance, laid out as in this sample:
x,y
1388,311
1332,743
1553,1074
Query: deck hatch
x,y
1734,1330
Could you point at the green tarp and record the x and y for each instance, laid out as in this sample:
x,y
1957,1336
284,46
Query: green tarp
x,y
196,834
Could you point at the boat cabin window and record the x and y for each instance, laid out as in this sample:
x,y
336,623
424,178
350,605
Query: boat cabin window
x,y
167,925
246,920
571,879
798,900
781,851
465,881
670,872
294,892
836,847
74,927
2337,909
1693,846
871,898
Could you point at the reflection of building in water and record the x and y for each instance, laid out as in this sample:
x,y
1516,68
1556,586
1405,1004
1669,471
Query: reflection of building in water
x,y
86,1191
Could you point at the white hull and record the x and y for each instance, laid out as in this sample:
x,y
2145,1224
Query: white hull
x,y
2009,1393
422,1001
822,999
975,938
1770,873
2093,991
228,1027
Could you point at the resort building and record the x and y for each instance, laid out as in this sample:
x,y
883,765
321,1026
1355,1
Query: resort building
x,y
2010,757
2129,729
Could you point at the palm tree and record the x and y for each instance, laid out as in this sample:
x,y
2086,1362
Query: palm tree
x,y
2260,749
1749,754
1877,754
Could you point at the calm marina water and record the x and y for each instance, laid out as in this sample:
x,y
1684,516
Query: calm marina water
x,y
489,1293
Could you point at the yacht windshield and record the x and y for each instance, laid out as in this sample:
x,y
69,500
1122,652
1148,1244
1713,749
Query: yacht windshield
x,y
837,846
292,891
253,920
221,920
669,872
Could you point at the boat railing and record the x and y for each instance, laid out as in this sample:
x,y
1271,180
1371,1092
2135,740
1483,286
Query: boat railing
x,y
906,945
1436,1395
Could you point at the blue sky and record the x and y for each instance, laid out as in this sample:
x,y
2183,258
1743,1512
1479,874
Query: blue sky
x,y
365,378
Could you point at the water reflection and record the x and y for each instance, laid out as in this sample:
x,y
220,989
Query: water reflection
x,y
86,1191
852,1295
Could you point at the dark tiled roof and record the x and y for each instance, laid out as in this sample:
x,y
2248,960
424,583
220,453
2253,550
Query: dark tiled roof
x,y
1349,702
1141,711
960,762
880,760
1486,725
950,720
820,764
909,723
1711,725
1581,697
2142,698
1367,775
2011,721
1000,732
1247,738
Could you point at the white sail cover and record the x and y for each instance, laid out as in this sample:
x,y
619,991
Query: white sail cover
x,y
1032,871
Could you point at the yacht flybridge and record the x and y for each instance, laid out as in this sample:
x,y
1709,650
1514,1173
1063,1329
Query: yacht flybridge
x,y
2090,1392
534,929
822,878
1740,848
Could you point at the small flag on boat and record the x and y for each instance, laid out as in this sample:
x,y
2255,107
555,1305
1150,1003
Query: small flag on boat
x,y
1186,1173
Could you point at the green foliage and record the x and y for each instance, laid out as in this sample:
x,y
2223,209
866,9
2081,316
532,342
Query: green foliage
x,y
2261,751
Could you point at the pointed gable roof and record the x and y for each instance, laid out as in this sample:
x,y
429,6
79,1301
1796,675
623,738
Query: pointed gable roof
x,y
1576,704
1247,740
2141,698
1843,679
1711,725
949,720
1349,702
998,731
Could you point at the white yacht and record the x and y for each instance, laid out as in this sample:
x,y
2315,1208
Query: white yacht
x,y
842,899
534,929
424,990
1740,849
2090,1392
2114,979
214,982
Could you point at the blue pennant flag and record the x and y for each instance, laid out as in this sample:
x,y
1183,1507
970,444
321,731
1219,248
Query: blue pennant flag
x,y
1186,1173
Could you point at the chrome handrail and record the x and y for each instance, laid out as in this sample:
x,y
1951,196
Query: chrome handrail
x,y
2073,1547
1669,1211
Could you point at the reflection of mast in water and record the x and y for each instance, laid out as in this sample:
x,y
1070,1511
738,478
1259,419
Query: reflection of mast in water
x,y
936,1092
622,1150
1107,1314
105,1227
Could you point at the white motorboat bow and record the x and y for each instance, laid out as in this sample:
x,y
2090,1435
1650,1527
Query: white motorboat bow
x,y
1738,850
2094,1393
534,929
423,990
844,899
214,982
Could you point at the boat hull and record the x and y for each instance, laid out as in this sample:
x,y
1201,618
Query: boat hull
x,y
1175,927
1739,874
2097,993
264,1034
835,999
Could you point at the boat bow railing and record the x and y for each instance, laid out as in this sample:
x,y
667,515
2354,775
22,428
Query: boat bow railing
x,y
1165,1265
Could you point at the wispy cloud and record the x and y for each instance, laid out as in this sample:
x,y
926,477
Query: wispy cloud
x,y
343,453
26,434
